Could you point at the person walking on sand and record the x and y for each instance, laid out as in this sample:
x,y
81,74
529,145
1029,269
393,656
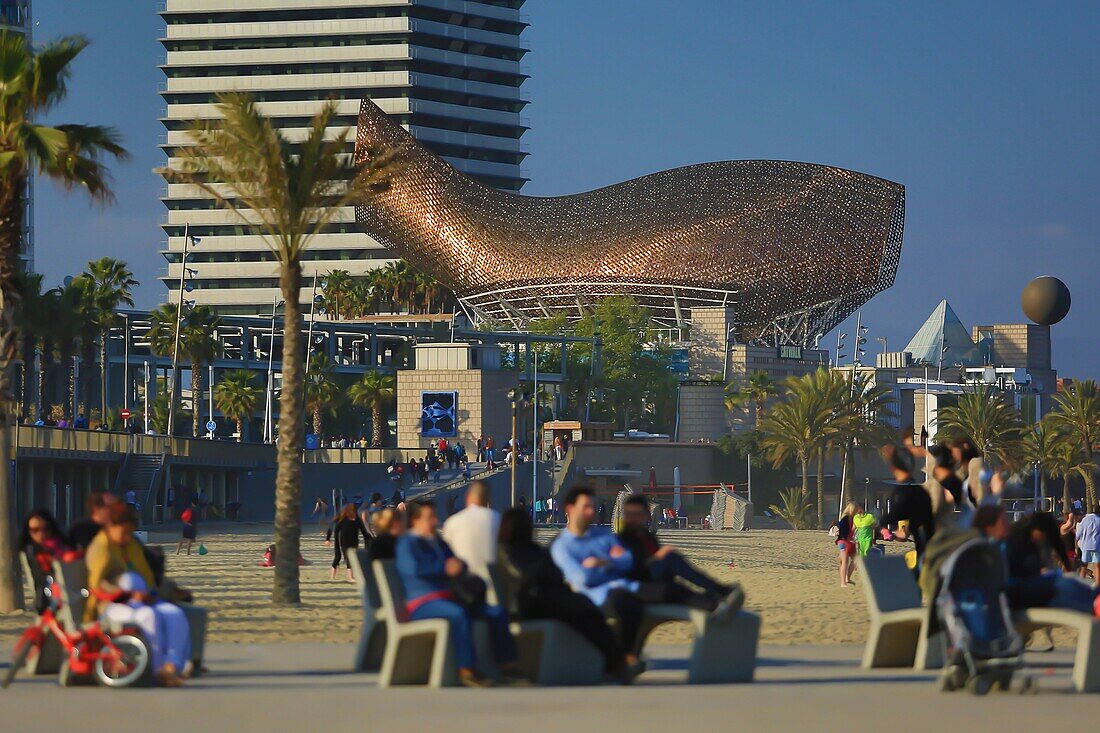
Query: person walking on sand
x,y
344,535
846,543
190,531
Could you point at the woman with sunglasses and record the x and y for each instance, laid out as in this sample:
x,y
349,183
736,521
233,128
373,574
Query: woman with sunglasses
x,y
42,543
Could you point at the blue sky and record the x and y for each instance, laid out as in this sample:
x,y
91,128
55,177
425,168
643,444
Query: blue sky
x,y
986,112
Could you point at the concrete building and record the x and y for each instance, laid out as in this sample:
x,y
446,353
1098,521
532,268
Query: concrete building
x,y
15,17
448,71
457,391
713,360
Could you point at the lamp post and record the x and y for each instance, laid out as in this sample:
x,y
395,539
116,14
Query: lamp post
x,y
269,397
535,437
184,272
145,373
210,395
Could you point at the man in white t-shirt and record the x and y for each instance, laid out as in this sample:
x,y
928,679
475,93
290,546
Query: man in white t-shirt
x,y
472,532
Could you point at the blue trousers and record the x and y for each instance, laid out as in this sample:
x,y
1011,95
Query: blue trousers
x,y
462,635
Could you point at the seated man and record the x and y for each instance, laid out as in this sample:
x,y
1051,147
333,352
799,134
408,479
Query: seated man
x,y
472,532
653,561
596,564
429,571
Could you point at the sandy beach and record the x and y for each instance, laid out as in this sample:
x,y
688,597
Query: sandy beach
x,y
790,578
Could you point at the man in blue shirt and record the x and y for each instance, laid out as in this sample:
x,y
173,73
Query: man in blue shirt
x,y
597,565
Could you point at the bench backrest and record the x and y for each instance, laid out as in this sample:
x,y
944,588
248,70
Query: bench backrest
x,y
889,584
391,591
365,580
72,580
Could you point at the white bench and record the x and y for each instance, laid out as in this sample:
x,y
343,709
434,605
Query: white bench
x,y
551,652
417,652
372,638
1086,664
900,625
722,651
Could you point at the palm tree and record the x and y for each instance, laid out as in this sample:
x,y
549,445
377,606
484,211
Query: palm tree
x,y
751,393
292,191
35,324
322,391
68,328
33,81
335,289
1077,413
1044,446
986,420
866,406
237,397
109,285
374,392
199,341
801,426
794,507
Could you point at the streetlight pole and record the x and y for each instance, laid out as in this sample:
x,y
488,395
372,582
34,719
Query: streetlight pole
x,y
187,241
535,437
210,395
145,371
270,396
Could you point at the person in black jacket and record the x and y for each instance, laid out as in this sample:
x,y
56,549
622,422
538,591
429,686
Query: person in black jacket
x,y
344,534
534,588
655,563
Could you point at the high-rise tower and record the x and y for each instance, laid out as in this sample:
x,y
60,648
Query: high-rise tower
x,y
448,70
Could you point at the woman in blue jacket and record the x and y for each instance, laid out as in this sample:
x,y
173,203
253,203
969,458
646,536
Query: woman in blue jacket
x,y
427,567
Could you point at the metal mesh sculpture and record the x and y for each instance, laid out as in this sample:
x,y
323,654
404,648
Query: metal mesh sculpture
x,y
795,247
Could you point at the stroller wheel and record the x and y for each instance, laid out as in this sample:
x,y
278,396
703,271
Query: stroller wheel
x,y
979,684
947,681
1004,682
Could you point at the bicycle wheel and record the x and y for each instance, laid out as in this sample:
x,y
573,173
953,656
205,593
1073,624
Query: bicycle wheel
x,y
131,666
19,658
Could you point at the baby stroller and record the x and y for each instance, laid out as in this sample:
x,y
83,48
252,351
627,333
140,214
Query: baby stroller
x,y
983,647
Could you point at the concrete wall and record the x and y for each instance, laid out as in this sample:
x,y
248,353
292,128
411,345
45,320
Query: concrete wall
x,y
257,488
709,336
703,413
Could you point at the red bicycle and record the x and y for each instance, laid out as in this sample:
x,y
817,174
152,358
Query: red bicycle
x,y
111,660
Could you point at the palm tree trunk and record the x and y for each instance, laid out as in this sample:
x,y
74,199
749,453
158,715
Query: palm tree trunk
x,y
288,477
317,424
11,232
40,382
103,374
1090,485
376,424
849,470
1066,501
196,397
240,430
821,488
805,460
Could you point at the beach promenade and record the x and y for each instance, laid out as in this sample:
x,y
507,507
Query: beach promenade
x,y
304,687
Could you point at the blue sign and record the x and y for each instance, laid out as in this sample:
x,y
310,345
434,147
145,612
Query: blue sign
x,y
438,414
211,426
311,442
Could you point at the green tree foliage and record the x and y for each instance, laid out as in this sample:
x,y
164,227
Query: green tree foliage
x,y
983,417
237,396
33,82
1077,414
323,393
375,392
794,507
288,191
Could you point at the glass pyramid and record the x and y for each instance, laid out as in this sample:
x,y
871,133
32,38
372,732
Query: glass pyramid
x,y
943,329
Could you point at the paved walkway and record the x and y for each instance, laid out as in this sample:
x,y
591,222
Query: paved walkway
x,y
303,687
